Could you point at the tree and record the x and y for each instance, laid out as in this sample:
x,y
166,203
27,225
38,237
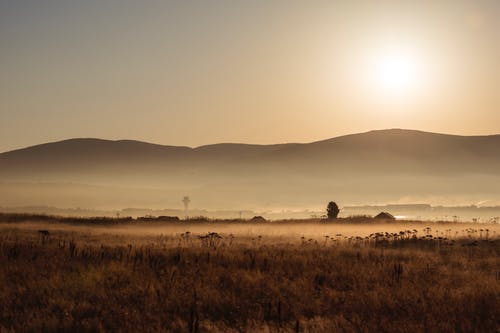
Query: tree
x,y
332,210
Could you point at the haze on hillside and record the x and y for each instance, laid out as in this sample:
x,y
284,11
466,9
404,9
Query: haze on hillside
x,y
390,166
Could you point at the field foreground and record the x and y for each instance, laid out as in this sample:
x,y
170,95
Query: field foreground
x,y
233,278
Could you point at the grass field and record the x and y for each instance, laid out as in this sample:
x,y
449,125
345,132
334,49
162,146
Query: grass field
x,y
240,277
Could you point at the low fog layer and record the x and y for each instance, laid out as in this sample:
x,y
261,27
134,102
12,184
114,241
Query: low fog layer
x,y
273,232
374,167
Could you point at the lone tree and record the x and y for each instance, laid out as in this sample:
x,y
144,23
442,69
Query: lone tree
x,y
332,210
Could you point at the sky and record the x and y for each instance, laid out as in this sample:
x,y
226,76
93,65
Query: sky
x,y
202,72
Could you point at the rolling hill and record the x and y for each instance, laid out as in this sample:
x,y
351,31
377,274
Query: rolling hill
x,y
377,166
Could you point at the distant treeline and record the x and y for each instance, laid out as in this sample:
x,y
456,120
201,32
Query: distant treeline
x,y
402,211
145,220
103,220
18,217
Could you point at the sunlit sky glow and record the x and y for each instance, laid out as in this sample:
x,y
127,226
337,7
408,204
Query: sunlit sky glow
x,y
397,72
193,73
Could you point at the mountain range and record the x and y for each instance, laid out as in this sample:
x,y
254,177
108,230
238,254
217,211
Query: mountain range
x,y
381,166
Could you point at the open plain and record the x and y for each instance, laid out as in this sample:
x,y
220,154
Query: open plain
x,y
352,275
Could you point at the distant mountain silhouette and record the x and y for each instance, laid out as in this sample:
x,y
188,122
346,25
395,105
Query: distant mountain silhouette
x,y
360,167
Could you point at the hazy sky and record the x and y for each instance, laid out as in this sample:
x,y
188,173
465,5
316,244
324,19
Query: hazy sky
x,y
200,72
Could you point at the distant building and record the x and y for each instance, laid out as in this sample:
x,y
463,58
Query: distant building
x,y
159,218
258,219
385,216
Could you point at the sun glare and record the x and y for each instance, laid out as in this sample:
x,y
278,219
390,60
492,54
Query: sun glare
x,y
396,72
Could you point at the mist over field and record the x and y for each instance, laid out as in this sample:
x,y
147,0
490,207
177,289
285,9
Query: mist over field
x,y
199,276
272,232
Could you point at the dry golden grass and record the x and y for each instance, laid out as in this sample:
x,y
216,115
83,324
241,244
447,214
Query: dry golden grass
x,y
152,280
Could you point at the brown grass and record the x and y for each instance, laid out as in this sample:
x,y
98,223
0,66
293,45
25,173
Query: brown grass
x,y
413,281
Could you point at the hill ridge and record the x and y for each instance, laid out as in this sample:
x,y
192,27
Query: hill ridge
x,y
378,132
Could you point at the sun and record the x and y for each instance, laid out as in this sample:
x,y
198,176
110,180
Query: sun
x,y
396,72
